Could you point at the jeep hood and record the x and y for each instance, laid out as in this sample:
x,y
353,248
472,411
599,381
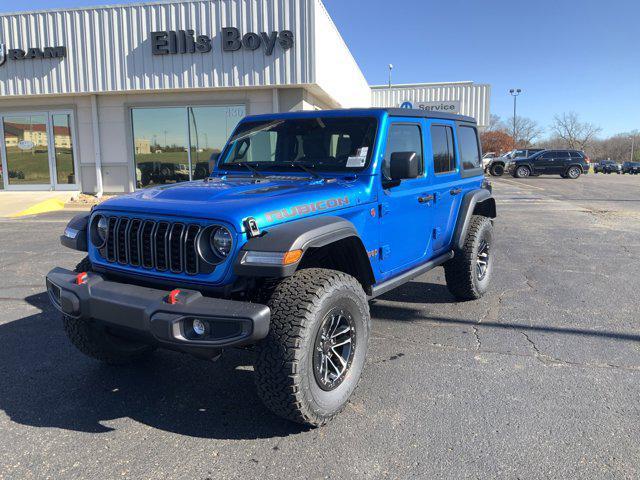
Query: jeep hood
x,y
270,200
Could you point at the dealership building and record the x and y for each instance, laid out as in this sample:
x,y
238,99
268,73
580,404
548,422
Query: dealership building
x,y
114,98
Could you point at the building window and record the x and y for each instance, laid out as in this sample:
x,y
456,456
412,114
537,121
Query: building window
x,y
63,149
444,159
469,147
177,144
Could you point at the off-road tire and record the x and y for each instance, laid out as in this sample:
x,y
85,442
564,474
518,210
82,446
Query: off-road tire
x,y
497,170
95,341
460,272
519,172
284,370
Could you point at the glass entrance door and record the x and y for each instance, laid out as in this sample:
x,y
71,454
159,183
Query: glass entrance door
x,y
37,151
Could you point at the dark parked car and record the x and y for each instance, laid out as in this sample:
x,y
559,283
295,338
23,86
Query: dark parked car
x,y
496,165
566,163
162,172
632,168
607,166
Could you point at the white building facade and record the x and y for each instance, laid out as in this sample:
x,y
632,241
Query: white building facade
x,y
115,98
465,98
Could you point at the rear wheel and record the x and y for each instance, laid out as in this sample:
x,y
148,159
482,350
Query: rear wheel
x,y
468,273
573,172
522,172
497,170
96,341
311,361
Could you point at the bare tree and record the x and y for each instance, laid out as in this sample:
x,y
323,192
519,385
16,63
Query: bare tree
x,y
495,124
526,131
574,133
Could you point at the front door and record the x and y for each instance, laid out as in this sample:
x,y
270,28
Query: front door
x,y
405,219
544,163
37,151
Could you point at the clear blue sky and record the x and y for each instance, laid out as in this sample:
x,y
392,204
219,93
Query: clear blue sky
x,y
566,55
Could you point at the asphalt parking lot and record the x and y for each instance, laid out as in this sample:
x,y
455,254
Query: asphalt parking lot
x,y
539,379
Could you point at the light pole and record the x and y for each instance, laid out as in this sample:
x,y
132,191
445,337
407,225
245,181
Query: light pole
x,y
390,68
633,142
514,92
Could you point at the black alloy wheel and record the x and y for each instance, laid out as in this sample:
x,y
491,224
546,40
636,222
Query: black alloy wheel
x,y
334,348
482,259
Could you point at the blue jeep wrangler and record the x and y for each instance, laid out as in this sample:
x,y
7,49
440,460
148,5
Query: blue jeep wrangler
x,y
305,218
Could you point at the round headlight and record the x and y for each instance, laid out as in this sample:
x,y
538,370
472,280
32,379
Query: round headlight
x,y
102,227
221,241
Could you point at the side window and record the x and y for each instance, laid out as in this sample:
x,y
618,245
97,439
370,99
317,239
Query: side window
x,y
444,159
469,148
576,154
548,155
403,138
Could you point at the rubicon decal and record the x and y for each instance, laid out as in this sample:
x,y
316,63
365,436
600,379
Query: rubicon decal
x,y
307,208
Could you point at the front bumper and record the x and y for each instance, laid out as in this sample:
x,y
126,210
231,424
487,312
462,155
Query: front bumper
x,y
148,313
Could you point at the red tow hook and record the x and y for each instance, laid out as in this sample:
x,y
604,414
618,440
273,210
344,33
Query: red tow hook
x,y
81,278
172,299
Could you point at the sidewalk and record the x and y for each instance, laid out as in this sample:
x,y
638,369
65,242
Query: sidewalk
x,y
19,204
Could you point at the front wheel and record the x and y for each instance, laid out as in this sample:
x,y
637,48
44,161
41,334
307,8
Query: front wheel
x,y
522,172
468,273
497,170
311,361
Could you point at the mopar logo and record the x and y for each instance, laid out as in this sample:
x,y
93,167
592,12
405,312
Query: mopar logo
x,y
406,105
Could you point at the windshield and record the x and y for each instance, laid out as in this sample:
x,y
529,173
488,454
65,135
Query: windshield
x,y
331,144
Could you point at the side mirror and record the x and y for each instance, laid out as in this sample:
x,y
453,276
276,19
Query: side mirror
x,y
404,165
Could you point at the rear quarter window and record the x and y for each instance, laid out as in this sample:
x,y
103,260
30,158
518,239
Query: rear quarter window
x,y
469,148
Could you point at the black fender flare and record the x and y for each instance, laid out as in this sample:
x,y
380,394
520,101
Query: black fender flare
x,y
78,224
476,201
312,232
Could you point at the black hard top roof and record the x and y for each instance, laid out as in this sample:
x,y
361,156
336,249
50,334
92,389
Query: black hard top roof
x,y
394,112
414,112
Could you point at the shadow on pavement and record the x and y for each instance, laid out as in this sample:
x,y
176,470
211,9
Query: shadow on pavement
x,y
399,313
45,382
419,292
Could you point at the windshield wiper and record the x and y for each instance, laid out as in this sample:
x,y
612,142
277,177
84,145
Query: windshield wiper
x,y
253,170
306,169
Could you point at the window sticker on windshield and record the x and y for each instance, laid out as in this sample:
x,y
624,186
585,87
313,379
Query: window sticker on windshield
x,y
359,159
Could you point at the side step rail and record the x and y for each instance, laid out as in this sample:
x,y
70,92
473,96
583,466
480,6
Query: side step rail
x,y
392,283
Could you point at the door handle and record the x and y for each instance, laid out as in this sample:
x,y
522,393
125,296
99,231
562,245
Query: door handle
x,y
455,191
425,198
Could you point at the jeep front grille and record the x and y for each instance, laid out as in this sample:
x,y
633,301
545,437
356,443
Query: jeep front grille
x,y
165,246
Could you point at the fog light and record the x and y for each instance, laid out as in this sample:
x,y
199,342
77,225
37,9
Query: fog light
x,y
199,328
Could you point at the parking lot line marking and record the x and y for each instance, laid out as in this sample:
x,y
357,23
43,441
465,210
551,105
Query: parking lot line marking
x,y
51,205
524,185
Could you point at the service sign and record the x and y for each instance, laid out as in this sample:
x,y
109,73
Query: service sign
x,y
447,106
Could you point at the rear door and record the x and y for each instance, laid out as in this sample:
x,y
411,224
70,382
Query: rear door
x,y
405,216
561,161
456,165
443,160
